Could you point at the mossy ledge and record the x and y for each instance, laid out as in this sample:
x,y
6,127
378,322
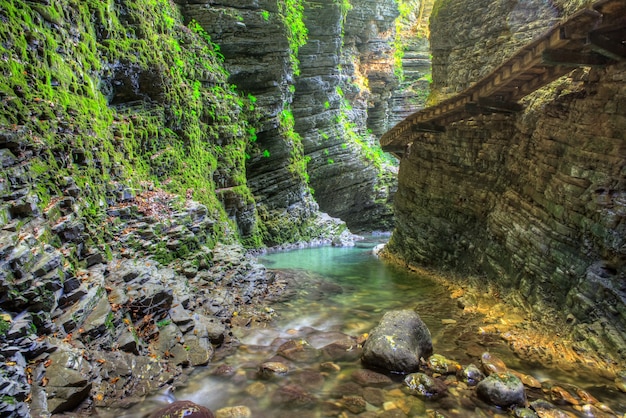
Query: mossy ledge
x,y
115,95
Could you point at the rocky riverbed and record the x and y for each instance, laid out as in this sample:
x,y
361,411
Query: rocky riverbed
x,y
311,372
130,317
129,335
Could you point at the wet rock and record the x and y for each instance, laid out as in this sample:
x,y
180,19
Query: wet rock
x,y
298,351
293,396
271,369
439,364
374,396
528,380
502,389
256,389
234,412
492,364
346,389
183,409
343,350
396,413
224,370
620,380
546,409
398,342
309,379
524,413
596,411
561,396
329,366
471,375
365,377
354,404
422,385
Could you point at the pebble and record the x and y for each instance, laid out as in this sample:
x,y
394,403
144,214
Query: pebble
x,y
234,412
492,364
270,369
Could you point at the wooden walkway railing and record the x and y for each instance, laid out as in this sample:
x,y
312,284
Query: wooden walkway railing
x,y
593,36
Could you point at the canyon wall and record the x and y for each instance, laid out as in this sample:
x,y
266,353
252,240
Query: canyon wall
x,y
532,203
319,98
343,90
148,133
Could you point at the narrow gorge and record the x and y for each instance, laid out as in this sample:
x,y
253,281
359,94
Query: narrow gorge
x,y
151,149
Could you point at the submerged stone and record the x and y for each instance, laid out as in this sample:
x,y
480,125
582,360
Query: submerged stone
x,y
471,375
502,389
270,369
366,377
183,409
439,364
424,386
234,412
492,364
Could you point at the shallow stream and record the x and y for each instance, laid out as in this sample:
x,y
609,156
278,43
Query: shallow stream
x,y
346,291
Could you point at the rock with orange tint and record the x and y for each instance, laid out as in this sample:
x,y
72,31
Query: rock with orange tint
x,y
492,364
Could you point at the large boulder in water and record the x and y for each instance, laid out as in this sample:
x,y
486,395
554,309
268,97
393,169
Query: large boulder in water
x,y
397,343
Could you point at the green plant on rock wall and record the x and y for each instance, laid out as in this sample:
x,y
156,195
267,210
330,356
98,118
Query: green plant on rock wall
x,y
4,326
344,6
298,163
50,88
371,151
292,14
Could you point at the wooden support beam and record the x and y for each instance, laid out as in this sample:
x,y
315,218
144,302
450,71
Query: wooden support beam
x,y
611,44
575,58
486,106
595,36
394,148
428,127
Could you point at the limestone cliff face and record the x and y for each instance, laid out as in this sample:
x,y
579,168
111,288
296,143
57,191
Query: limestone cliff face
x,y
343,89
412,60
535,201
317,99
254,40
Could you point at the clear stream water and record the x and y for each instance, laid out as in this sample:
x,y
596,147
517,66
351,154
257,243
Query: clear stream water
x,y
368,288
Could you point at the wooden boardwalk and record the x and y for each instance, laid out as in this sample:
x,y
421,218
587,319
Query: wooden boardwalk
x,y
593,36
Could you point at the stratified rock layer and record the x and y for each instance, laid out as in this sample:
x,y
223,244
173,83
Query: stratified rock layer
x,y
534,201
344,88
